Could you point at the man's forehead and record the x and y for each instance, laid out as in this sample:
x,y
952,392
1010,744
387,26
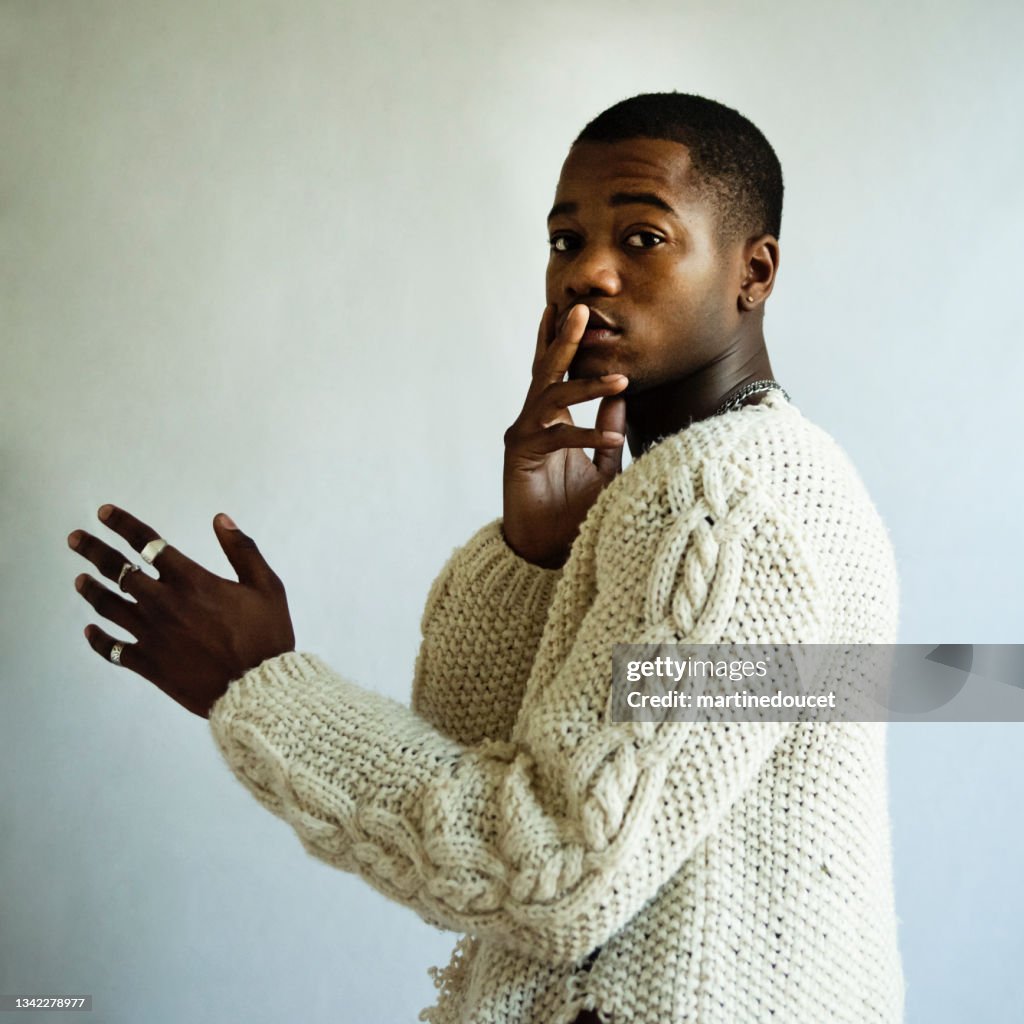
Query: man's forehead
x,y
633,165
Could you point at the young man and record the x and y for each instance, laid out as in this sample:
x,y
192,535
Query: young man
x,y
600,870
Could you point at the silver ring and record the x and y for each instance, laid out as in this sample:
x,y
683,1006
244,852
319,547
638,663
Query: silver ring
x,y
115,652
126,570
152,549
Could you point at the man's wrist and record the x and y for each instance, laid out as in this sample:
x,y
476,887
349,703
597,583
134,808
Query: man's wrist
x,y
546,561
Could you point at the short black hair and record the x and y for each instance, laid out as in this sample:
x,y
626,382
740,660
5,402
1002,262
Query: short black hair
x,y
735,168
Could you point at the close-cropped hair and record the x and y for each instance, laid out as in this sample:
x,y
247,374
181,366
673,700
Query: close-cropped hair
x,y
734,168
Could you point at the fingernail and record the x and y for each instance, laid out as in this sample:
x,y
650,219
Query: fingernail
x,y
74,539
105,511
611,435
227,521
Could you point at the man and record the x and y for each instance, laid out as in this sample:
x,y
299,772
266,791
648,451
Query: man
x,y
660,266
600,870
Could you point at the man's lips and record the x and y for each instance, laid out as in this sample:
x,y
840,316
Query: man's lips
x,y
598,335
600,328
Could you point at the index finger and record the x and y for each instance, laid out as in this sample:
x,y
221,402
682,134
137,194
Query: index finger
x,y
138,535
545,333
552,364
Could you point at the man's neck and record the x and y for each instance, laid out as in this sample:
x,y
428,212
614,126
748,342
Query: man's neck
x,y
668,408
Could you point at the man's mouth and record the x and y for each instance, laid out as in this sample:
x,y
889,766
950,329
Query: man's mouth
x,y
600,329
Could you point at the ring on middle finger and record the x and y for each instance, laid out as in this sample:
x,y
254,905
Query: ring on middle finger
x,y
126,570
152,549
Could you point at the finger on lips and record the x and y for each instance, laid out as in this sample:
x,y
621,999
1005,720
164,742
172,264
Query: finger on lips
x,y
569,333
574,322
570,336
545,334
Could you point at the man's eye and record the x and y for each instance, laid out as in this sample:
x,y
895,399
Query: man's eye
x,y
651,240
559,243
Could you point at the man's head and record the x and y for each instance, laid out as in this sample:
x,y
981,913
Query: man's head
x,y
666,221
733,168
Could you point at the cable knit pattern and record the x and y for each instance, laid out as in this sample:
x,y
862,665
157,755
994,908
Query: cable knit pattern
x,y
654,872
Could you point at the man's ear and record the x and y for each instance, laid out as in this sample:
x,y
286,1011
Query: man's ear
x,y
759,266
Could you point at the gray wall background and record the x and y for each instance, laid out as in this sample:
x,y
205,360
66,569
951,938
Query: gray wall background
x,y
286,260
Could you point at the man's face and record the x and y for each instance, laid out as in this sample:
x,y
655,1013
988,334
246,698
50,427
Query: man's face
x,y
654,273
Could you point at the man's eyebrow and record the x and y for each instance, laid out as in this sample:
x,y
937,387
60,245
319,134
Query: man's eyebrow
x,y
643,198
559,208
618,199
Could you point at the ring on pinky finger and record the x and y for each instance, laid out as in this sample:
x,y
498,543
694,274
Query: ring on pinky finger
x,y
116,651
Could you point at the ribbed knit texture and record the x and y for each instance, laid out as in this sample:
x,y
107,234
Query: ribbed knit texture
x,y
726,872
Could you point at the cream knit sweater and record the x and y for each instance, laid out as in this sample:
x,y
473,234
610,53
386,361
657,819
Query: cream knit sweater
x,y
727,872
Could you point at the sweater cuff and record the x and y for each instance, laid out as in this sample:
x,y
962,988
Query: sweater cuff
x,y
288,669
254,718
488,565
307,742
293,710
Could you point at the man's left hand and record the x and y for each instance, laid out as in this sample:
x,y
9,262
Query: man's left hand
x,y
195,632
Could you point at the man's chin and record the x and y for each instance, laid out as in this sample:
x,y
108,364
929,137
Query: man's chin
x,y
591,363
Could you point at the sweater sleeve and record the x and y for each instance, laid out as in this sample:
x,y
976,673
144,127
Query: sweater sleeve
x,y
481,626
548,843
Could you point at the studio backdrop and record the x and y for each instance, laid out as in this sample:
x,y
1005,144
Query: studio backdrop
x,y
286,261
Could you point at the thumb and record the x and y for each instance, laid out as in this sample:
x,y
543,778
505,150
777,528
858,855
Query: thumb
x,y
611,415
242,553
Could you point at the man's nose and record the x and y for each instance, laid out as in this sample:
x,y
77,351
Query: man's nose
x,y
594,270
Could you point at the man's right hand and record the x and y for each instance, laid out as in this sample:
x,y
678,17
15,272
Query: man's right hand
x,y
549,482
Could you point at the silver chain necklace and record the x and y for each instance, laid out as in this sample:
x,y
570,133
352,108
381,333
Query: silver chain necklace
x,y
752,388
